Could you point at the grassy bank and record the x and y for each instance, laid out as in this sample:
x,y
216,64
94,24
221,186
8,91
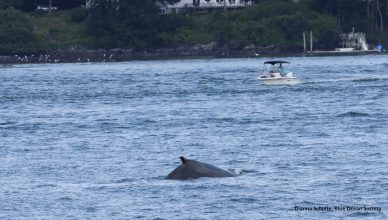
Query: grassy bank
x,y
59,30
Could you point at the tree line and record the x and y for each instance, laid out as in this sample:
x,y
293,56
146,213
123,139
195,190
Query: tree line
x,y
30,5
268,22
353,12
138,24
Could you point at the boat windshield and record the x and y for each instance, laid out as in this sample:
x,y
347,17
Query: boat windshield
x,y
276,68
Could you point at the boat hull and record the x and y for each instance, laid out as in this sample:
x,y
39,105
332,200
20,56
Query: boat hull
x,y
279,81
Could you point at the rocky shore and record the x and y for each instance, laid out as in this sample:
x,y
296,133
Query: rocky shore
x,y
116,55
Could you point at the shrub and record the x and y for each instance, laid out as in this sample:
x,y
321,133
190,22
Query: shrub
x,y
16,32
79,14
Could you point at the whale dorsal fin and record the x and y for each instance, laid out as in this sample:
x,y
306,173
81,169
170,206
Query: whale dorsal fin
x,y
184,160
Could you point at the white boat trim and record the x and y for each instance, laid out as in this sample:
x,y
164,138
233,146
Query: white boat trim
x,y
280,81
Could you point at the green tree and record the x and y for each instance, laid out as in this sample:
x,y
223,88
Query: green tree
x,y
364,15
16,32
10,3
276,22
128,24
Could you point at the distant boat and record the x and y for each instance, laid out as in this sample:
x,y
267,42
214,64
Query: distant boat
x,y
351,43
276,73
379,48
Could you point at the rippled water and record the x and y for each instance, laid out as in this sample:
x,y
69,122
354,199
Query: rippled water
x,y
95,141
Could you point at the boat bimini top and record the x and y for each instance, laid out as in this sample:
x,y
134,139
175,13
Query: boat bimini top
x,y
275,62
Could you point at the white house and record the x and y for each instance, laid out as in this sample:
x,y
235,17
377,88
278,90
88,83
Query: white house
x,y
189,5
90,3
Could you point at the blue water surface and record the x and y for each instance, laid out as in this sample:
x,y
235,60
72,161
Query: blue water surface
x,y
95,141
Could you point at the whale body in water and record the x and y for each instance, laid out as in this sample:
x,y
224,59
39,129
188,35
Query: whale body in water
x,y
192,169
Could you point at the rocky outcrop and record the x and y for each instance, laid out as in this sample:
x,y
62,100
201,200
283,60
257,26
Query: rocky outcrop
x,y
113,55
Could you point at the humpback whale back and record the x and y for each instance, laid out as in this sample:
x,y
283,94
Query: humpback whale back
x,y
192,169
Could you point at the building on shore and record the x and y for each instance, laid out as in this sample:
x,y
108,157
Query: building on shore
x,y
189,6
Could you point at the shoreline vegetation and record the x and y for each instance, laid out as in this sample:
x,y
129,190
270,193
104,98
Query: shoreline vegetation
x,y
129,30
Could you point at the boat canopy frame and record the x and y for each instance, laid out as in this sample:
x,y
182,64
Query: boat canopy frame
x,y
275,66
276,62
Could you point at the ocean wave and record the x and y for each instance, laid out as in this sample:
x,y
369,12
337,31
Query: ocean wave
x,y
244,200
353,114
364,214
369,79
126,180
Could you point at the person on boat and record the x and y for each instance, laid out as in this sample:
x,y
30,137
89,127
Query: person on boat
x,y
281,70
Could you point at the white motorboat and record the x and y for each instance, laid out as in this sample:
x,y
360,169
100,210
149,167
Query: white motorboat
x,y
275,73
